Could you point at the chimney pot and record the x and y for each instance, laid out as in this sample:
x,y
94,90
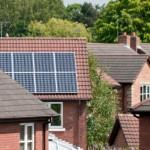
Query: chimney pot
x,y
133,34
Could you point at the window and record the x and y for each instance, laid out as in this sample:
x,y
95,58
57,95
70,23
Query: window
x,y
27,136
145,92
57,121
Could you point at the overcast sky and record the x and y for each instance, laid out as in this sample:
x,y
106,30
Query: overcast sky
x,y
94,2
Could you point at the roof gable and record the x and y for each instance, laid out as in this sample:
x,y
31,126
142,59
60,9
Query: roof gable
x,y
130,127
16,102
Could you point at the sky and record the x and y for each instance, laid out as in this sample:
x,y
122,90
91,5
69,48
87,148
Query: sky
x,y
94,2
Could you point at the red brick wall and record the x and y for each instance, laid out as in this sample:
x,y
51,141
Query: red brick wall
x,y
74,123
10,136
143,77
144,133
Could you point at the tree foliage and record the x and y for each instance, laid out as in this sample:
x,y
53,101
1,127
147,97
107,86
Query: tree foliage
x,y
123,16
101,111
19,13
86,13
58,28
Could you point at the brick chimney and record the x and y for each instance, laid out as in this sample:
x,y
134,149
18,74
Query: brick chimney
x,y
134,41
125,39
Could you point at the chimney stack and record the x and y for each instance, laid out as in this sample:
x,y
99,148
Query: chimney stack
x,y
125,39
134,41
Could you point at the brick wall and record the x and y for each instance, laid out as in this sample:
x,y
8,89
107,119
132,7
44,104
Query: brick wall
x,y
74,124
10,136
120,141
144,133
143,77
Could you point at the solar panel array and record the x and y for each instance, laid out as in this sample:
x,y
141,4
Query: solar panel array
x,y
42,72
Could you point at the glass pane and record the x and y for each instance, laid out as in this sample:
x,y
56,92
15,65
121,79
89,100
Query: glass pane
x,y
29,146
29,132
65,62
44,62
23,62
56,121
22,133
22,146
56,107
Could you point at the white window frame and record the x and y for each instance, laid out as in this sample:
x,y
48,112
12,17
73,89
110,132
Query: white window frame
x,y
61,115
145,95
26,141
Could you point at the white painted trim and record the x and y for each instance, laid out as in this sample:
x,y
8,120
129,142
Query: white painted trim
x,y
57,129
26,141
61,115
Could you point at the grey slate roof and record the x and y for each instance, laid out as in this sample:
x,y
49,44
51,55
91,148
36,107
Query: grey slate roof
x,y
110,49
145,47
123,68
143,107
16,102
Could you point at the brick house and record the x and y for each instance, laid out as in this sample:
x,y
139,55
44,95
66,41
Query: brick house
x,y
125,133
23,118
56,72
142,111
131,72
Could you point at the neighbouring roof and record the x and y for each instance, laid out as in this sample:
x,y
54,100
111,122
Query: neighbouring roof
x,y
75,45
108,79
145,47
142,107
110,49
130,127
122,68
16,102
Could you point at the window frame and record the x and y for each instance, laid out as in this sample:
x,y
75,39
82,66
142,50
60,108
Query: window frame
x,y
26,141
61,115
144,94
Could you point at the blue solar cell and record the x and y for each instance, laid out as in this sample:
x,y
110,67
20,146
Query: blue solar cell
x,y
66,82
44,62
65,62
5,62
26,80
45,82
23,62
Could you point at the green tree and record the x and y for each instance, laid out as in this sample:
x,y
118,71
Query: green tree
x,y
19,13
101,110
86,13
123,16
58,28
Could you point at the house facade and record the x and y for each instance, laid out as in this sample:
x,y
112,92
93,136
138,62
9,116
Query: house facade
x,y
56,72
23,118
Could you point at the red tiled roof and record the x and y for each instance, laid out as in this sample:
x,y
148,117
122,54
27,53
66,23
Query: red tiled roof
x,y
130,128
76,45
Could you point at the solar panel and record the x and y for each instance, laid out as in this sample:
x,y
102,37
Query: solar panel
x,y
66,82
65,62
23,62
42,72
26,80
44,62
5,62
45,82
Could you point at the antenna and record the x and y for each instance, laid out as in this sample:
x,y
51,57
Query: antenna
x,y
2,24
